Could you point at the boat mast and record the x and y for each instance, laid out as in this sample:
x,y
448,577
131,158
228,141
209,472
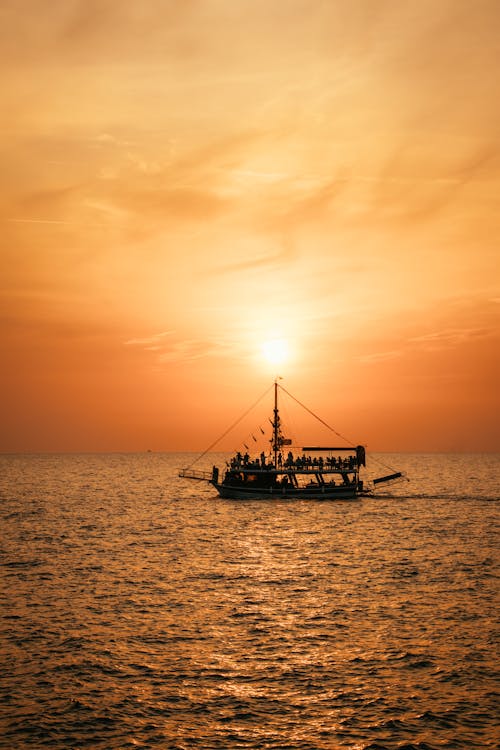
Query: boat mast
x,y
276,425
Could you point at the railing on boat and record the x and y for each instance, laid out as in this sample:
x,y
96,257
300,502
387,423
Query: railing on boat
x,y
194,474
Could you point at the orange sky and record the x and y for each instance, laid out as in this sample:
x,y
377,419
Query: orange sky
x,y
182,181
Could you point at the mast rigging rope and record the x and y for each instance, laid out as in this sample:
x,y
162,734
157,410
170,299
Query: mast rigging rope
x,y
207,450
376,460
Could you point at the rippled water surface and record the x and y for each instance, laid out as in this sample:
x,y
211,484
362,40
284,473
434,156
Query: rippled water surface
x,y
139,610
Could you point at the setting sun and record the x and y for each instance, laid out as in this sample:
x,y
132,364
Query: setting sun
x,y
275,351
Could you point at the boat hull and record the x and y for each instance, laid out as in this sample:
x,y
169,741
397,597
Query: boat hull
x,y
303,493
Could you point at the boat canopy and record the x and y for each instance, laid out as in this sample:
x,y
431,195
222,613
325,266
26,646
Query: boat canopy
x,y
351,449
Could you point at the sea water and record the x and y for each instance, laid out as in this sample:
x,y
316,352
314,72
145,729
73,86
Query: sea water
x,y
139,610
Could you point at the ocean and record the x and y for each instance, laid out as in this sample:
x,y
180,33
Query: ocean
x,y
139,610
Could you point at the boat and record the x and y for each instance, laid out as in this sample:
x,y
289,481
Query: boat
x,y
287,471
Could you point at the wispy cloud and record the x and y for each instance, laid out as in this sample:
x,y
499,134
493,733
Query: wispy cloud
x,y
382,356
167,346
193,349
154,340
450,337
41,221
434,341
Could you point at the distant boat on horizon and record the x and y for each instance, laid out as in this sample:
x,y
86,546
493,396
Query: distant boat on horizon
x,y
286,471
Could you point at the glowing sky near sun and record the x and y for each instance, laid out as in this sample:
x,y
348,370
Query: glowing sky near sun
x,y
184,182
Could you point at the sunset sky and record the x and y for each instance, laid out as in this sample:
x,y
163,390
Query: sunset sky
x,y
184,181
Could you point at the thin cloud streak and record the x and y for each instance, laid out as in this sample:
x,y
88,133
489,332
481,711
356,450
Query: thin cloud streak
x,y
155,339
435,341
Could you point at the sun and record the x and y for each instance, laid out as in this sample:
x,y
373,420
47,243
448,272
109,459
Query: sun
x,y
275,351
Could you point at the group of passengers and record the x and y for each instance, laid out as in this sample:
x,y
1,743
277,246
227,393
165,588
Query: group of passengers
x,y
317,463
300,463
243,462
